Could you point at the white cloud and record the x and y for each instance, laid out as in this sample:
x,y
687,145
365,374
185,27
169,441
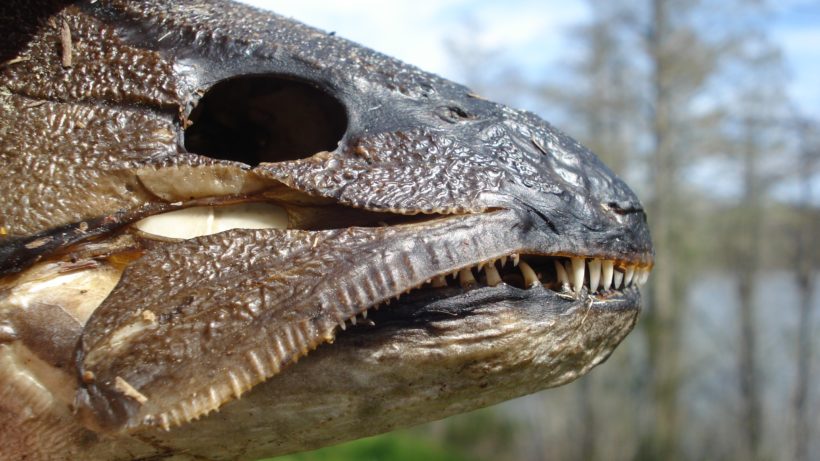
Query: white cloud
x,y
410,31
530,34
415,31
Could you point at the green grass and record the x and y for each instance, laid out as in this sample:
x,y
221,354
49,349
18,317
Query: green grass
x,y
391,447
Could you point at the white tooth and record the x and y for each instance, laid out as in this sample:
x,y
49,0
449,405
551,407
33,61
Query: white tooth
x,y
636,279
594,275
607,274
480,266
439,281
578,269
516,259
206,220
618,276
353,320
630,272
644,276
563,278
364,315
530,279
342,325
465,277
503,261
493,278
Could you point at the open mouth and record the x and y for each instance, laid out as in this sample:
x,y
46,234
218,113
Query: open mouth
x,y
208,281
601,280
568,276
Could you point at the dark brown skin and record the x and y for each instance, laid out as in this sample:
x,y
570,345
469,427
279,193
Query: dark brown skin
x,y
116,344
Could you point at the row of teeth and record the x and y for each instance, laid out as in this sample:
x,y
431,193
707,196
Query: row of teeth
x,y
573,274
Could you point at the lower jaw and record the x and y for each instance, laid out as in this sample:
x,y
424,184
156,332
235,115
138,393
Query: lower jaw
x,y
398,371
404,370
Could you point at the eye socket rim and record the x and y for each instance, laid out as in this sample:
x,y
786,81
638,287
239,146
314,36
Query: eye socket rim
x,y
219,125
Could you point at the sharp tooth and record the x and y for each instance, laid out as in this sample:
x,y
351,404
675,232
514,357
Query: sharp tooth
x,y
594,275
480,266
563,278
618,276
342,325
439,281
465,277
636,279
516,259
568,270
503,261
530,279
630,272
578,269
353,320
607,274
364,315
493,278
643,276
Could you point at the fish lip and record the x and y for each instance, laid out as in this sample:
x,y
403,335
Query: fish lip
x,y
424,308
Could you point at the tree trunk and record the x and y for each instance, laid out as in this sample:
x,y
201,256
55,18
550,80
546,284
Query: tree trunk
x,y
662,321
746,257
805,284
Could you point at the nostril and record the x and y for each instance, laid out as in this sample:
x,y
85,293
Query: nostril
x,y
625,207
453,114
265,118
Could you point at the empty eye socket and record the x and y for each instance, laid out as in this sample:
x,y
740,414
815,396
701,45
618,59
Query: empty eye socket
x,y
265,118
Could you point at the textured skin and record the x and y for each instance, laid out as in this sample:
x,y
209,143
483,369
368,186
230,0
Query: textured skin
x,y
88,148
273,295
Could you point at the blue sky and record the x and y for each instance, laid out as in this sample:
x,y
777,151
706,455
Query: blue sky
x,y
796,28
530,34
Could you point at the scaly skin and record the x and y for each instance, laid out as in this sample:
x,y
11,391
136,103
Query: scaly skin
x,y
116,344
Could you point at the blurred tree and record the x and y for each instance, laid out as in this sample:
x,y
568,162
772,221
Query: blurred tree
x,y
646,86
603,99
755,129
806,247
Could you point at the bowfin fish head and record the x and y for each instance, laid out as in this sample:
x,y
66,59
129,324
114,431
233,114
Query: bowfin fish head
x,y
259,187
